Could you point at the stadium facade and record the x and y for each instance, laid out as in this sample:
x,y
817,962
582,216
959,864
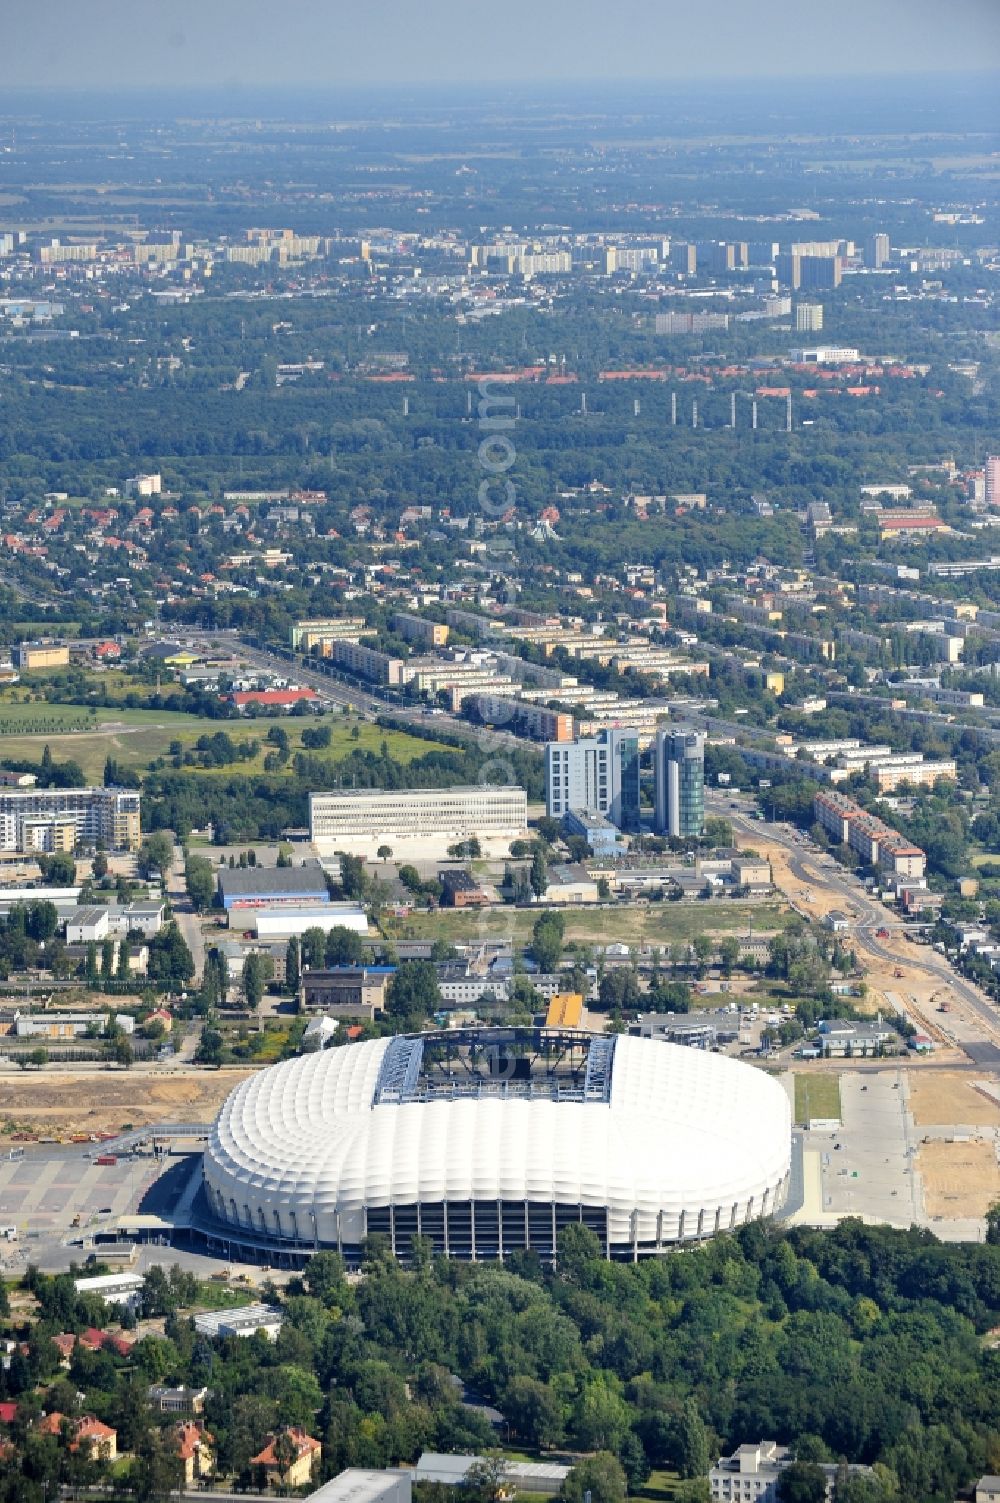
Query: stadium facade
x,y
484,1141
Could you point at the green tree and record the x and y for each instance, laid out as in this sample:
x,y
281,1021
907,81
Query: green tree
x,y
123,1053
801,1482
486,1480
547,940
413,994
534,1412
993,1224
539,876
702,947
600,1475
156,855
199,879
292,964
692,1450
729,953
253,980
343,946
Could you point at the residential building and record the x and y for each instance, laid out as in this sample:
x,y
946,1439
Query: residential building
x,y
309,634
992,472
60,819
181,1400
877,251
691,323
87,1433
291,1467
418,630
597,773
988,1490
679,763
375,815
367,662
808,318
520,715
194,1446
875,842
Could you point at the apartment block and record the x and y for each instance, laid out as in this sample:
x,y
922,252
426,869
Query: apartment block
x,y
875,842
367,662
421,632
60,819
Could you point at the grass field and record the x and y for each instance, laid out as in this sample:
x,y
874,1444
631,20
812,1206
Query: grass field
x,y
659,924
659,1487
136,737
816,1096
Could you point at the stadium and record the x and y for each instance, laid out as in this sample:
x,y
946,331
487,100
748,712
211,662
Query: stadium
x,y
488,1140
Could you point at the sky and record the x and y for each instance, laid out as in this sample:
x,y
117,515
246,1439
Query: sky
x,y
132,44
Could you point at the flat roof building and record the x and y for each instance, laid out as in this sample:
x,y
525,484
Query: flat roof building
x,y
373,816
268,886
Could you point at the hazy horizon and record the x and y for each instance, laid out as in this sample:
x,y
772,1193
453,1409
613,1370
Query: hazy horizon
x,y
251,44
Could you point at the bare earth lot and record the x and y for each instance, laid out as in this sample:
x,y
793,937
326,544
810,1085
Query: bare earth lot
x,y
940,1099
960,1179
53,1105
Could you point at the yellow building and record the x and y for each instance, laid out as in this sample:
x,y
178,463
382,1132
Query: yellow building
x,y
565,1010
29,656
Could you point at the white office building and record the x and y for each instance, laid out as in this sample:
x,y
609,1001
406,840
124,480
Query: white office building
x,y
362,819
597,773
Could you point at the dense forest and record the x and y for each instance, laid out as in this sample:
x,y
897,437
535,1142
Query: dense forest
x,y
859,1343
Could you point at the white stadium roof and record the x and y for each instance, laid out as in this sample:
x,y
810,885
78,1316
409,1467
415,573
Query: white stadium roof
x,y
677,1143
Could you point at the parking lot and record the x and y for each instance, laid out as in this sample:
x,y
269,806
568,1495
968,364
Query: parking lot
x,y
867,1167
43,1192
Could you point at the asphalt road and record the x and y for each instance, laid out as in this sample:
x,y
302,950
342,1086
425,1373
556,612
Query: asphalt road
x,y
187,919
814,871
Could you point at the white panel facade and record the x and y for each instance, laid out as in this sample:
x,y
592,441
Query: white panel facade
x,y
689,1143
